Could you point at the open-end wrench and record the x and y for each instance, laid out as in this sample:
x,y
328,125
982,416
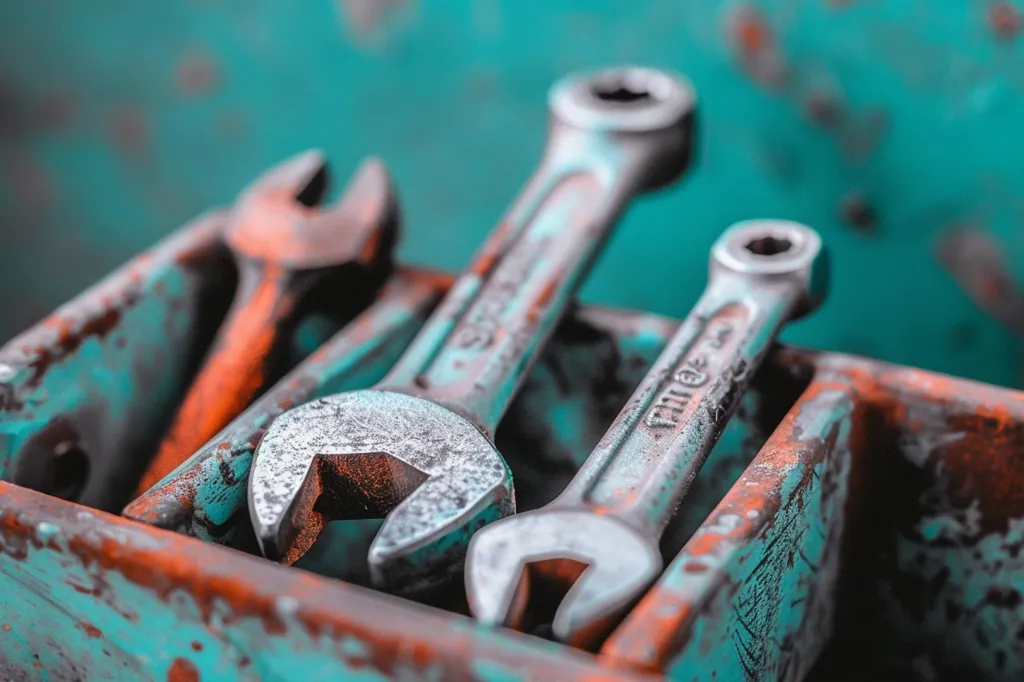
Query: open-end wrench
x,y
417,448
284,243
597,542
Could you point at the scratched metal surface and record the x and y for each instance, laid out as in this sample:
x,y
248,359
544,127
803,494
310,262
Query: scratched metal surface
x,y
883,124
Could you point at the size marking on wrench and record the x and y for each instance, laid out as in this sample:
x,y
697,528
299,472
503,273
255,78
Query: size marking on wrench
x,y
597,542
418,447
284,243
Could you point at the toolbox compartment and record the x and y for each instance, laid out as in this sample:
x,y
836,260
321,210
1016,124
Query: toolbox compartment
x,y
856,519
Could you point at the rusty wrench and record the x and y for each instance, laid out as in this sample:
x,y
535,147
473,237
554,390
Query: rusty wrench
x,y
284,243
418,446
599,538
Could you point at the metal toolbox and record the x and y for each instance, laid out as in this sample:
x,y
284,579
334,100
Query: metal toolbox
x,y
856,519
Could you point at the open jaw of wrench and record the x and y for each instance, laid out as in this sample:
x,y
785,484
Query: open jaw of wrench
x,y
597,542
418,447
285,244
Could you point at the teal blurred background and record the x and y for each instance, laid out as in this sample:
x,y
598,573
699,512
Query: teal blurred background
x,y
884,124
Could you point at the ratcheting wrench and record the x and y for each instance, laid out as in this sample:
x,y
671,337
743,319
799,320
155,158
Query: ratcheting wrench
x,y
418,447
599,538
284,243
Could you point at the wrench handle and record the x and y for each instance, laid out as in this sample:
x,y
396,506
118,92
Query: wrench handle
x,y
644,465
476,348
236,368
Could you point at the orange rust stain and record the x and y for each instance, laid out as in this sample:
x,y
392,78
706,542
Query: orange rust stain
x,y
648,649
547,293
704,543
5,627
491,251
182,670
755,46
752,33
482,266
1004,20
197,646
89,629
229,380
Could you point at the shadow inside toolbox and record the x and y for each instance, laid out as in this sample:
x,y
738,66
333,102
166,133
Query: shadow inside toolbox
x,y
930,586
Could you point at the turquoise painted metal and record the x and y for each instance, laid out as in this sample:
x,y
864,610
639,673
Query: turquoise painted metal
x,y
882,124
856,520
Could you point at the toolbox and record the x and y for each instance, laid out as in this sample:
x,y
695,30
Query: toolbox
x,y
886,538
855,520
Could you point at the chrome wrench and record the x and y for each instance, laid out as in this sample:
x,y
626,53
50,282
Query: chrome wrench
x,y
418,447
597,542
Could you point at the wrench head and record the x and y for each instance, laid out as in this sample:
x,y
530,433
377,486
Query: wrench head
x,y
370,454
545,550
279,218
769,251
650,110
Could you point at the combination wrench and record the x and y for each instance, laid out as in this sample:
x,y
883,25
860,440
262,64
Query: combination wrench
x,y
597,542
418,448
285,243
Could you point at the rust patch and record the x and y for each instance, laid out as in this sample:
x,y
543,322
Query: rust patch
x,y
182,670
823,109
197,646
368,17
89,629
985,467
975,261
197,74
858,213
74,328
754,44
1004,20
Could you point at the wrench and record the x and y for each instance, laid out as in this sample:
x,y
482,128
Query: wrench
x,y
418,447
285,244
597,542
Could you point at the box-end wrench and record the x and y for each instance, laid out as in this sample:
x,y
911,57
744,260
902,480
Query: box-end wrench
x,y
417,448
284,243
597,542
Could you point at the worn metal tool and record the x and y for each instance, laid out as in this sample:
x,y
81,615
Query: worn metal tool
x,y
597,542
285,243
418,447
